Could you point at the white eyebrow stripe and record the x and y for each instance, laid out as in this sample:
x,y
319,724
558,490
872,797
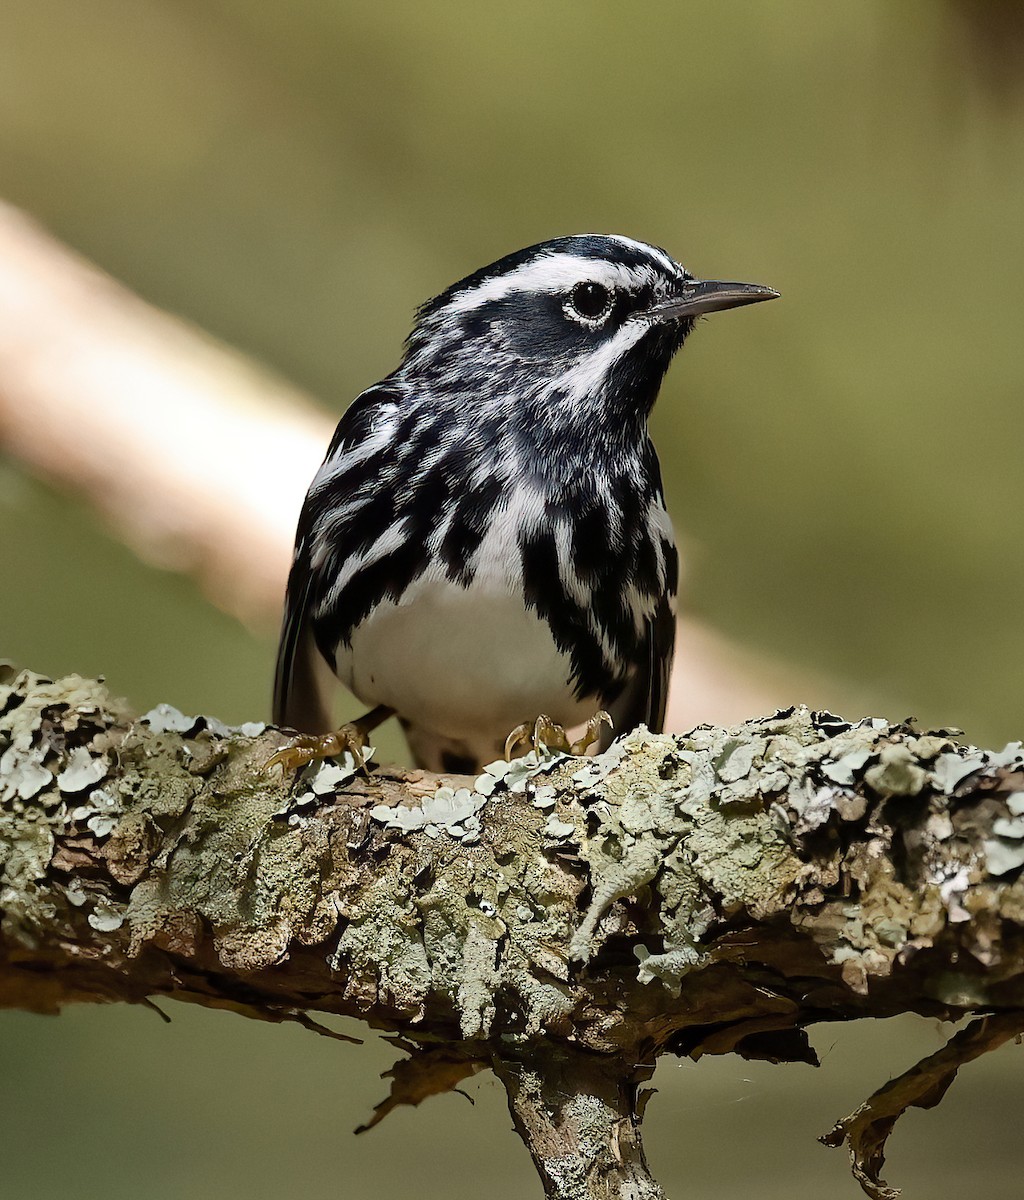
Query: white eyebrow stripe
x,y
672,267
553,273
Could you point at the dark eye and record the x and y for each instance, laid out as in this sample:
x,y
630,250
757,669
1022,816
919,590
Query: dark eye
x,y
591,301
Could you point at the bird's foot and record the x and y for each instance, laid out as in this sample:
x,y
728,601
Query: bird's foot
x,y
313,747
545,734
591,732
353,737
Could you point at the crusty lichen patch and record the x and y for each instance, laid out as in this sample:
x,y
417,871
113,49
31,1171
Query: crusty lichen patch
x,y
478,889
676,891
45,772
490,898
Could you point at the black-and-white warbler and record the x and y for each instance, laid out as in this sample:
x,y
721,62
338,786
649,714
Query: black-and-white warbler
x,y
487,539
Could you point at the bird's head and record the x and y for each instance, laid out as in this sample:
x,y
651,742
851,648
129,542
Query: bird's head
x,y
588,323
591,312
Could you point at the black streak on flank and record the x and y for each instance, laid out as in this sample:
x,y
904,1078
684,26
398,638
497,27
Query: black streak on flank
x,y
567,621
387,578
345,486
467,529
364,529
671,566
591,549
645,571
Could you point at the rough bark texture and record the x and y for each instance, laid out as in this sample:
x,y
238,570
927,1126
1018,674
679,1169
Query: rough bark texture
x,y
564,921
578,1114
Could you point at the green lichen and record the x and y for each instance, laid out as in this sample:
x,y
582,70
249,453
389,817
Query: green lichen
x,y
233,866
41,774
487,902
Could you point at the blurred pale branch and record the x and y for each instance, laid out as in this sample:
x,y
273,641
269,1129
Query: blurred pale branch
x,y
562,922
199,459
196,458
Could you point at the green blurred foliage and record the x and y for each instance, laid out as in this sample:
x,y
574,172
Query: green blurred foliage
x,y
845,464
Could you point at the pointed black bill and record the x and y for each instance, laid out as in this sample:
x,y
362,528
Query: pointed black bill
x,y
710,295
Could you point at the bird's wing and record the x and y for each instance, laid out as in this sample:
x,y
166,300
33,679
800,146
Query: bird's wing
x,y
646,695
301,692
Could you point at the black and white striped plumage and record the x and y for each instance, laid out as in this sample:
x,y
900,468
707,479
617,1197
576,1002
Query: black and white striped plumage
x,y
487,538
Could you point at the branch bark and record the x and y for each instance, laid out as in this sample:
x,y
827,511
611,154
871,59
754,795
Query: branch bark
x,y
578,1115
563,921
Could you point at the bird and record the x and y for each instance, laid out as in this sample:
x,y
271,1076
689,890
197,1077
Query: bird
x,y
486,550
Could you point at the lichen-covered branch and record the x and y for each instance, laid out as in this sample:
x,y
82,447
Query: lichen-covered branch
x,y
564,921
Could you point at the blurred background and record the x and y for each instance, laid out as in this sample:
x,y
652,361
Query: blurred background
x,y
844,466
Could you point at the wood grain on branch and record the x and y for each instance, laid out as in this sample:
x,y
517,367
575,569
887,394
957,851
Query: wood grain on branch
x,y
564,921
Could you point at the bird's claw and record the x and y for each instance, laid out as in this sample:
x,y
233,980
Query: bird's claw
x,y
545,734
591,732
516,738
313,747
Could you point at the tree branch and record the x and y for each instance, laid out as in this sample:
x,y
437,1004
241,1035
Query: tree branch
x,y
197,457
578,1114
565,921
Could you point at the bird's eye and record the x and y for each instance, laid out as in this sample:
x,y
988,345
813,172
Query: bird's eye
x,y
589,301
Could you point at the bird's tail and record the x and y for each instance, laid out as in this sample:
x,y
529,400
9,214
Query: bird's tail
x,y
300,697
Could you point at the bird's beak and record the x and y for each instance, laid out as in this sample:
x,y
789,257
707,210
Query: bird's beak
x,y
710,295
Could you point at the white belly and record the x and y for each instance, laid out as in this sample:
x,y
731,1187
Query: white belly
x,y
465,663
